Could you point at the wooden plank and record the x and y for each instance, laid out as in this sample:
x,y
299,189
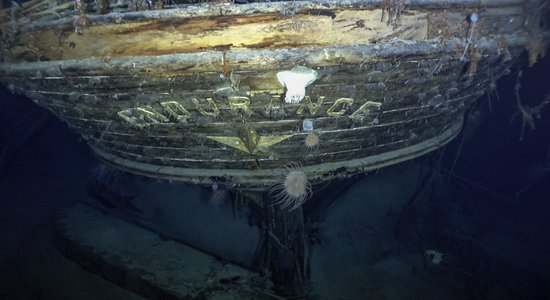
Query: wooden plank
x,y
261,178
222,33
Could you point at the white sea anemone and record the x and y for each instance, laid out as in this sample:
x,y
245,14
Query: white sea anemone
x,y
292,189
311,142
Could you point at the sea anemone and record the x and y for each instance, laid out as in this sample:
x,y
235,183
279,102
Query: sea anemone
x,y
292,189
311,142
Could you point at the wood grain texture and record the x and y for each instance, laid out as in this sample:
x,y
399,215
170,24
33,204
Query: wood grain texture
x,y
173,90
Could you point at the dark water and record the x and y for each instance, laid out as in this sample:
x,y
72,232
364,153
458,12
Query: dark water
x,y
483,202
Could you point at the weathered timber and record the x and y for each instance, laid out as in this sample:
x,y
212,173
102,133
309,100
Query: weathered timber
x,y
191,91
220,93
288,250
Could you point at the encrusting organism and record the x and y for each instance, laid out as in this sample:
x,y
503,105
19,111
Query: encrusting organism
x,y
527,114
292,188
473,21
311,142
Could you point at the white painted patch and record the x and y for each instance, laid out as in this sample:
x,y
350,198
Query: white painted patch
x,y
296,80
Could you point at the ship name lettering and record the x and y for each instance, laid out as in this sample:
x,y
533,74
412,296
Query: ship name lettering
x,y
237,103
215,111
312,107
176,112
339,107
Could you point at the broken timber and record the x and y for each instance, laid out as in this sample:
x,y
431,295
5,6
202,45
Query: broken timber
x,y
191,93
197,92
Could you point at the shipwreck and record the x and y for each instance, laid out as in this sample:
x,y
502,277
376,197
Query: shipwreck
x,y
239,93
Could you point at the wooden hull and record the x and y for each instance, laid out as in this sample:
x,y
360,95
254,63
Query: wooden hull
x,y
193,93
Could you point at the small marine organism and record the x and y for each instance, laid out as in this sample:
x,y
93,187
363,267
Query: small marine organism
x,y
433,256
536,47
292,188
311,142
473,21
527,114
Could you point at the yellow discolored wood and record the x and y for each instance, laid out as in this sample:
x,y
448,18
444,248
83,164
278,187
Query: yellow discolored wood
x,y
271,31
